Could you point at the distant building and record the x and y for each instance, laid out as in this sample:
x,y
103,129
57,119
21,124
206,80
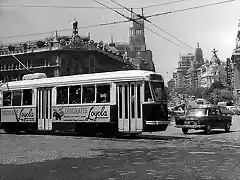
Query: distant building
x,y
236,62
194,72
229,69
213,71
183,65
136,47
187,68
172,83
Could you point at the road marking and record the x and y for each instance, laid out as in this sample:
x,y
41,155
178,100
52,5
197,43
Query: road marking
x,y
202,152
74,167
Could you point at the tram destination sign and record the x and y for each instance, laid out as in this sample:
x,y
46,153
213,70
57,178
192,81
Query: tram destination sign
x,y
81,114
20,114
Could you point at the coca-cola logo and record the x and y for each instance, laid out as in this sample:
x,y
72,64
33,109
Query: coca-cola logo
x,y
94,114
26,114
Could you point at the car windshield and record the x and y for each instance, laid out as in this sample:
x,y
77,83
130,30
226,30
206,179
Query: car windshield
x,y
196,112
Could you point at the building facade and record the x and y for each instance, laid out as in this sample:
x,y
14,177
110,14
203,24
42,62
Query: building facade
x,y
229,70
213,71
62,56
187,68
194,72
236,62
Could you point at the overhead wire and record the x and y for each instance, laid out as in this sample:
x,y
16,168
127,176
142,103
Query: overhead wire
x,y
84,7
62,30
117,22
190,8
141,16
162,4
134,20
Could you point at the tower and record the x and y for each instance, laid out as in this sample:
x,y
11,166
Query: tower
x,y
198,57
75,27
136,34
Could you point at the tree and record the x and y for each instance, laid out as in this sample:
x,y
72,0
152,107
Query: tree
x,y
215,95
167,93
181,90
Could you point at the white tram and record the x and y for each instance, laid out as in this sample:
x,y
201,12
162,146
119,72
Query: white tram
x,y
132,101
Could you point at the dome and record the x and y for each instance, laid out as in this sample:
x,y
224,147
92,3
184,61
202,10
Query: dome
x,y
215,59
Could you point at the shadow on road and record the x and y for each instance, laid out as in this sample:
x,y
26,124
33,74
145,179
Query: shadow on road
x,y
101,136
211,133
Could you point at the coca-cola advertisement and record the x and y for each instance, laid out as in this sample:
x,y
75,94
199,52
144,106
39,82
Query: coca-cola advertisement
x,y
81,114
20,114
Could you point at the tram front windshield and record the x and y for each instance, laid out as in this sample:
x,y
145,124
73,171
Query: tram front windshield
x,y
158,90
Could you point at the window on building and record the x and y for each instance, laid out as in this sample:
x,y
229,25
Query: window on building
x,y
88,94
17,98
138,32
27,97
75,94
7,97
103,93
62,95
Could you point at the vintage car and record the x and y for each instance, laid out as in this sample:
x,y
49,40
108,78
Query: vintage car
x,y
205,118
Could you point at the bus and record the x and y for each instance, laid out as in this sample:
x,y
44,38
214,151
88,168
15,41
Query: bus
x,y
120,102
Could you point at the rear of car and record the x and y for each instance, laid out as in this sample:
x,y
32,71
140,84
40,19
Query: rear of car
x,y
234,110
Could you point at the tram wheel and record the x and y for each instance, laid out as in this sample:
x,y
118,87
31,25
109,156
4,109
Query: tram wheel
x,y
133,135
9,130
227,127
207,129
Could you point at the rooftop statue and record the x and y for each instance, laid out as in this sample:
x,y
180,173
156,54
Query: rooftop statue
x,y
215,59
238,36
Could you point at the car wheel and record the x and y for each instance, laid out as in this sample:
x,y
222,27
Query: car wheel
x,y
207,129
185,130
227,127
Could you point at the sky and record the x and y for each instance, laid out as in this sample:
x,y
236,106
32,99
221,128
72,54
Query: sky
x,y
213,27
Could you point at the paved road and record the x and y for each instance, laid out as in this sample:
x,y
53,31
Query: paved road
x,y
165,155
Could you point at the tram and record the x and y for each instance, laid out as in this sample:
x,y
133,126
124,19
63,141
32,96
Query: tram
x,y
125,102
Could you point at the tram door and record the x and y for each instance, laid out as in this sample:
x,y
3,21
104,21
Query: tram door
x,y
130,98
44,109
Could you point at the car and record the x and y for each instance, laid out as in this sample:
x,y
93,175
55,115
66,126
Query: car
x,y
204,118
226,111
235,110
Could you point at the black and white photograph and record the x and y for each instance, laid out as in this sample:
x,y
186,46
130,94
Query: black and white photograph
x,y
120,90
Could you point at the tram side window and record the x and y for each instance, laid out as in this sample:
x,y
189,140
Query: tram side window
x,y
62,95
88,94
147,92
17,98
74,94
7,98
103,93
27,97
